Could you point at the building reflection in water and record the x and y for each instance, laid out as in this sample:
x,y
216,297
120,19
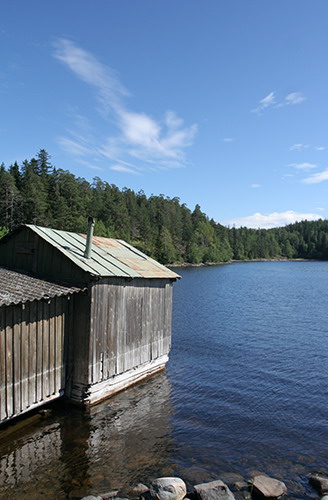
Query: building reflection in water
x,y
75,452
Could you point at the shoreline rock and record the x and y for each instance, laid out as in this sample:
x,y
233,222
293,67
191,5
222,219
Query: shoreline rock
x,y
319,483
268,487
258,486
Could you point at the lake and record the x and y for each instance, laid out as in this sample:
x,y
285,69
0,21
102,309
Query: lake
x,y
246,388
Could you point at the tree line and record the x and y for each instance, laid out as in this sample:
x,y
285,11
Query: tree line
x,y
36,192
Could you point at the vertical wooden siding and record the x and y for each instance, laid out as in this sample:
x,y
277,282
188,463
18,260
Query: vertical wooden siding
x,y
32,354
26,251
130,325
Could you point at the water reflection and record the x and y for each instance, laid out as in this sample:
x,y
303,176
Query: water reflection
x,y
115,444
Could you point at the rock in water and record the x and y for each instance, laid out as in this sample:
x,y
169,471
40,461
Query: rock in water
x,y
138,490
268,487
91,497
168,488
215,490
320,483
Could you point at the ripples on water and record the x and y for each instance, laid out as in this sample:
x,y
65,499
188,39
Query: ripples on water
x,y
245,389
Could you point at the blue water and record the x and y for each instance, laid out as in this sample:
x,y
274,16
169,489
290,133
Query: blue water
x,y
246,388
249,365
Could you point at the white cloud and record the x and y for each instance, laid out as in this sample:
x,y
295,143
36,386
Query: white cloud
x,y
255,186
172,120
228,139
267,101
271,101
125,170
90,165
73,147
303,166
275,219
298,147
316,178
139,136
319,148
91,71
294,98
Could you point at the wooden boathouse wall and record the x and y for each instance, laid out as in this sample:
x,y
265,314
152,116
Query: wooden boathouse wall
x,y
130,325
25,251
32,354
83,345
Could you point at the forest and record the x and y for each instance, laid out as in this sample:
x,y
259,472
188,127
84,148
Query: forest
x,y
36,192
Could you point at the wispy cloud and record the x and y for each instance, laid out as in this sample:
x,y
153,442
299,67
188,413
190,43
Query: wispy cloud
x,y
140,139
126,170
255,186
303,166
267,101
294,98
228,139
316,178
271,101
275,219
298,147
319,148
73,147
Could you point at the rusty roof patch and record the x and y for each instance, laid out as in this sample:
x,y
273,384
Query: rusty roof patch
x,y
17,288
105,242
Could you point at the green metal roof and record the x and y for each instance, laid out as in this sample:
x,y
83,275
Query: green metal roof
x,y
109,257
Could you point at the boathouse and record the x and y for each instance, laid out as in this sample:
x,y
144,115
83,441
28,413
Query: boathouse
x,y
80,316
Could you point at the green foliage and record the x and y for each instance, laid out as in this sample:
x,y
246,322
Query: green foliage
x,y
3,232
165,229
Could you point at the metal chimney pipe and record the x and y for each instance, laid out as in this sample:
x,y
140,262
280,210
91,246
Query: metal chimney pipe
x,y
91,224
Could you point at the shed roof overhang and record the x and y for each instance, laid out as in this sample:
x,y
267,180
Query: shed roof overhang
x,y
18,288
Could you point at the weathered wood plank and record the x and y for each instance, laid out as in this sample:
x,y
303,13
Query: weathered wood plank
x,y
39,352
52,340
32,352
58,345
111,333
17,338
9,361
120,314
67,332
45,350
24,358
3,362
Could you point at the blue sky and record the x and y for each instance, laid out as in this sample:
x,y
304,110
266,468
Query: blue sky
x,y
218,102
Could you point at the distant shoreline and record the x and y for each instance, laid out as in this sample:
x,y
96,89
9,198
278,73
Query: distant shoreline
x,y
208,264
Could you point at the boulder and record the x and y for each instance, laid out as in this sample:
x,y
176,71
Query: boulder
x,y
215,490
268,487
319,482
139,491
168,488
